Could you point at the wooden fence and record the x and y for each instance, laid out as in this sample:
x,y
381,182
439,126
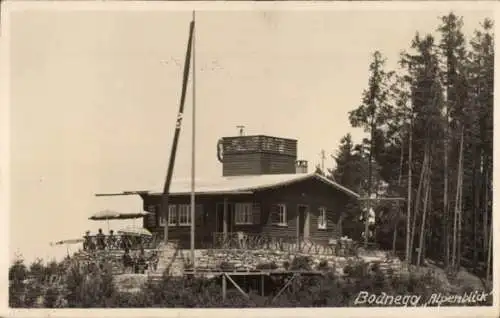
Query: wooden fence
x,y
119,242
250,241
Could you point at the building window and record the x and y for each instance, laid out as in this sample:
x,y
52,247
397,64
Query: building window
x,y
322,220
243,213
184,214
172,215
161,218
278,214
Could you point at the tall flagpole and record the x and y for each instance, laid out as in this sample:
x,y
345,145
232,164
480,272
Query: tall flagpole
x,y
166,187
193,205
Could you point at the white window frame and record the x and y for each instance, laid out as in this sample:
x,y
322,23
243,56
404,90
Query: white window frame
x,y
184,214
161,218
322,218
243,213
172,215
282,214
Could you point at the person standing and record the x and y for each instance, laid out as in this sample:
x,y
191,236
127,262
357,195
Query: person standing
x,y
101,242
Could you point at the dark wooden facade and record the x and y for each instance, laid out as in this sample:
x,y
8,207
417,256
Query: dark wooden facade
x,y
302,199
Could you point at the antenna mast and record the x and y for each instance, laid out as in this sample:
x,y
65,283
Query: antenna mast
x,y
241,129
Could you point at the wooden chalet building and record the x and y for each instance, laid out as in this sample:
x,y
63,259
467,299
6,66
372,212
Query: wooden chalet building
x,y
263,190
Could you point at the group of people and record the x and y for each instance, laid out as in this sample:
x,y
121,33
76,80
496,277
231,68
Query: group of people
x,y
139,263
102,242
133,263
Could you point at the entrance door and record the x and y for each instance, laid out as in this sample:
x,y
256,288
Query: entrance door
x,y
303,221
219,224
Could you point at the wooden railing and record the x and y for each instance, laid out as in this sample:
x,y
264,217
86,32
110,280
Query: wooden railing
x,y
251,241
97,258
119,242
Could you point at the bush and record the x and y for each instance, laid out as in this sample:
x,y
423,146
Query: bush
x,y
271,265
225,266
301,263
85,285
323,265
17,276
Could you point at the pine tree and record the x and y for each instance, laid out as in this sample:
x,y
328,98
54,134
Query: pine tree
x,y
439,106
426,100
350,171
370,114
348,165
481,74
453,51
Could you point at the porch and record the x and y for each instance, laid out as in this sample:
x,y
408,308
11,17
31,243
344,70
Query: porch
x,y
244,222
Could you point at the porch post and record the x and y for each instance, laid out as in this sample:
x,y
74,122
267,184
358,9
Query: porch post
x,y
224,285
224,227
297,217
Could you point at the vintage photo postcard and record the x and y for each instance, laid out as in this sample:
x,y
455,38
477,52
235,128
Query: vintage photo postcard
x,y
287,159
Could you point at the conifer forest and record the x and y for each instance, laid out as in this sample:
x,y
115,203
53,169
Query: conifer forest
x,y
430,141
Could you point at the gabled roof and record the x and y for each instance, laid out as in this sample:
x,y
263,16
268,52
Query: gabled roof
x,y
238,185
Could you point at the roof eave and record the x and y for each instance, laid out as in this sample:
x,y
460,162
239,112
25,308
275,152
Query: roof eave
x,y
338,186
149,193
205,193
245,191
122,193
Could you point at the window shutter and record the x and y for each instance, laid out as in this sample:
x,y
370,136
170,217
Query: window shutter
x,y
329,217
275,215
256,213
151,218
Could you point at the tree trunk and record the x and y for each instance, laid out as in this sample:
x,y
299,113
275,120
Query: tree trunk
x,y
460,205
424,213
370,156
417,199
396,223
446,226
394,236
475,211
489,260
457,215
485,212
408,203
429,233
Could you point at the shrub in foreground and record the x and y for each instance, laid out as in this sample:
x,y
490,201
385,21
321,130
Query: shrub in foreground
x,y
80,285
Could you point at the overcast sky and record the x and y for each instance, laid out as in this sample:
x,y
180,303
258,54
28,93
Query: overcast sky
x,y
94,96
